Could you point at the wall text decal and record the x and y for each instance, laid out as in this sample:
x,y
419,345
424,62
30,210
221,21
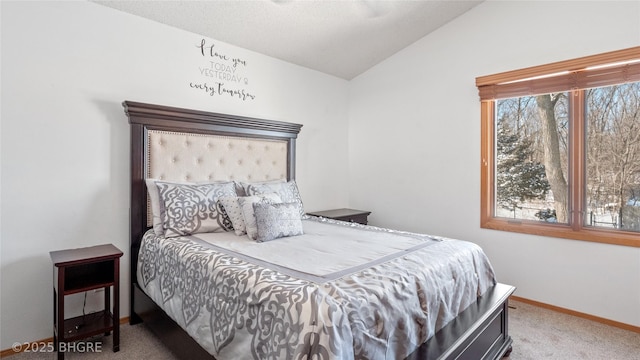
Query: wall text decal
x,y
224,74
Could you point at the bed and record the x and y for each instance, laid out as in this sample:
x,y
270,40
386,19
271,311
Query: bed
x,y
208,289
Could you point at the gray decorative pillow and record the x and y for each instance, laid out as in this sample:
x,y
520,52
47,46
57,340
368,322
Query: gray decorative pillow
x,y
277,220
288,191
246,204
241,186
154,198
193,208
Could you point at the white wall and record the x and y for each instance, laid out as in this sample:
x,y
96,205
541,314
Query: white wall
x,y
414,143
66,68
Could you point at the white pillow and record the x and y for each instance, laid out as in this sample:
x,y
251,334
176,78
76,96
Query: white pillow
x,y
234,212
248,214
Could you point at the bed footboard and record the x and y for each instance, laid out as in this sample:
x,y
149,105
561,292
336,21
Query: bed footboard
x,y
479,332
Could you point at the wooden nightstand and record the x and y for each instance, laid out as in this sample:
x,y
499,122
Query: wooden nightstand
x,y
350,215
80,270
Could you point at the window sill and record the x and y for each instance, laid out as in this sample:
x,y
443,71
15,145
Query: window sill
x,y
623,238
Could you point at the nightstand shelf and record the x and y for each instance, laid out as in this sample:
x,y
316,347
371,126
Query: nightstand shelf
x,y
81,270
349,215
84,326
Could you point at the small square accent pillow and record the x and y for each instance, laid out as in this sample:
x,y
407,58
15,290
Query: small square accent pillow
x,y
275,221
246,204
288,191
187,209
232,208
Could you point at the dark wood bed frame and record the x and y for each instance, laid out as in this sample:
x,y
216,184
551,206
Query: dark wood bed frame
x,y
479,332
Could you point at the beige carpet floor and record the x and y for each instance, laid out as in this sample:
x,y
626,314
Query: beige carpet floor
x,y
537,334
544,334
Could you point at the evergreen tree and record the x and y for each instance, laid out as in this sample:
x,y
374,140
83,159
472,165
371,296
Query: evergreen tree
x,y
518,178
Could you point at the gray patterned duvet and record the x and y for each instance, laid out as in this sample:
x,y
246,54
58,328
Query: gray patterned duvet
x,y
346,292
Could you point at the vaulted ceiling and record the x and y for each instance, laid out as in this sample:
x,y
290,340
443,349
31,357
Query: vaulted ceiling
x,y
343,38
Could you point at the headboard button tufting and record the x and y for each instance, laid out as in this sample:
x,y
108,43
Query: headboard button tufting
x,y
182,157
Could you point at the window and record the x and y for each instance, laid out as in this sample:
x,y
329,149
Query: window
x,y
561,149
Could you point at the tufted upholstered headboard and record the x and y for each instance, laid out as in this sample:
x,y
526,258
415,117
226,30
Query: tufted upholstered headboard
x,y
188,157
185,145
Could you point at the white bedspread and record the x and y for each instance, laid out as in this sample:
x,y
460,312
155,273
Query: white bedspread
x,y
341,291
327,247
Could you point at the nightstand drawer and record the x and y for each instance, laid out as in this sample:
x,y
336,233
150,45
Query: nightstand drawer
x,y
361,219
349,215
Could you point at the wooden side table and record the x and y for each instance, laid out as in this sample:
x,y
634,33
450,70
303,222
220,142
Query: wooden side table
x,y
80,270
350,215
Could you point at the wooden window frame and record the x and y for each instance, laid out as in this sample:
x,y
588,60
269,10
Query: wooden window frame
x,y
489,88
